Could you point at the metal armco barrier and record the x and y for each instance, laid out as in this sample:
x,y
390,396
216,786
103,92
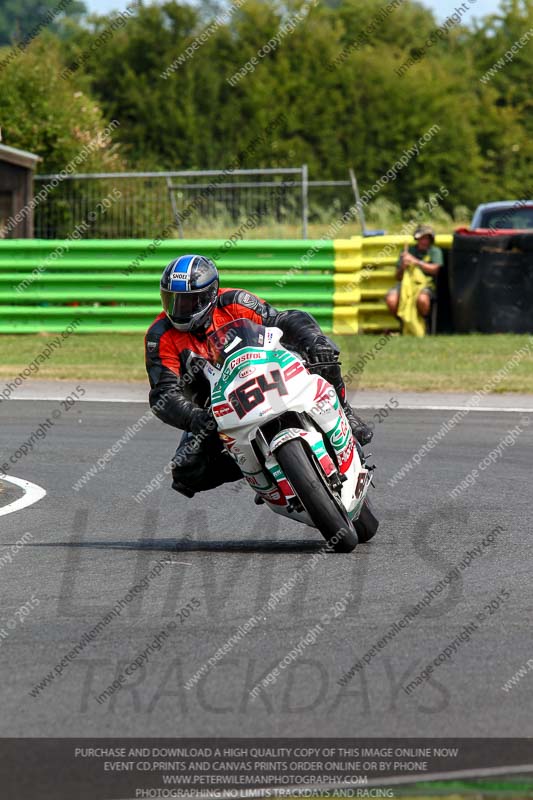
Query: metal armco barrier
x,y
114,284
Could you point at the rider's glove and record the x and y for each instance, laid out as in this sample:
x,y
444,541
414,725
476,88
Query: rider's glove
x,y
321,351
202,422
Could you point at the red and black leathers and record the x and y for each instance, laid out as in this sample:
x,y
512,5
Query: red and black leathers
x,y
178,389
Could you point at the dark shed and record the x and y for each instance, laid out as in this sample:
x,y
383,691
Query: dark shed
x,y
16,192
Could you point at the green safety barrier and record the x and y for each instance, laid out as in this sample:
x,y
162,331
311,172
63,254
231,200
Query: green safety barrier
x,y
114,284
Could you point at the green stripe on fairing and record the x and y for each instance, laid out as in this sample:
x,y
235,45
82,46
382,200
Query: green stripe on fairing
x,y
276,472
319,449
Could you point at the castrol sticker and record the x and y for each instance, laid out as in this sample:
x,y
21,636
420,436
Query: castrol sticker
x,y
338,436
242,360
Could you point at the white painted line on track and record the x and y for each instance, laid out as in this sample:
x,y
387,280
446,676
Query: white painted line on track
x,y
451,408
409,407
32,493
103,399
481,772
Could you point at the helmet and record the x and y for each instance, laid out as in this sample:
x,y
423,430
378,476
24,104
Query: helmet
x,y
189,290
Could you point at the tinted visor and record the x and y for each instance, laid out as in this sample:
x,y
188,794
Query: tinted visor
x,y
181,307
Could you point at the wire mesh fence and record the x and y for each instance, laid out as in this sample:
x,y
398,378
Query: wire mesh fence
x,y
268,203
183,204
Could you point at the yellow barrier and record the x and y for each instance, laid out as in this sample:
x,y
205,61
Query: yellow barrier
x,y
346,283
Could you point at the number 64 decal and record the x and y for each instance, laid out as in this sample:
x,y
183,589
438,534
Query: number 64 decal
x,y
252,393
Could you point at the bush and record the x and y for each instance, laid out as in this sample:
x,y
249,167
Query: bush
x,y
49,116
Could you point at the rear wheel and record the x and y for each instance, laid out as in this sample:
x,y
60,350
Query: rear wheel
x,y
309,484
366,523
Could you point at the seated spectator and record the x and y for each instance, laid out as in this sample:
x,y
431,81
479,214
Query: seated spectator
x,y
428,258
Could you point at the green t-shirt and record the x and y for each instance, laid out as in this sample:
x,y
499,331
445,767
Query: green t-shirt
x,y
431,256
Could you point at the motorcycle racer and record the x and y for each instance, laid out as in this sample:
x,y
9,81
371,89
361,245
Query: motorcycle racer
x,y
194,306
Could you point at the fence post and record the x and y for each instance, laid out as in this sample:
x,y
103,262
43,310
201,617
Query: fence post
x,y
177,216
305,200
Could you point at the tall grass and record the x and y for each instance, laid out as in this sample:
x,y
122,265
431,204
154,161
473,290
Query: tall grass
x,y
144,211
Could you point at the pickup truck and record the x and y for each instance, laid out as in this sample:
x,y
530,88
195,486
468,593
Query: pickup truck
x,y
504,215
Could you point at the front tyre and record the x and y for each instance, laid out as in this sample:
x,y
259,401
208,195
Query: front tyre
x,y
309,484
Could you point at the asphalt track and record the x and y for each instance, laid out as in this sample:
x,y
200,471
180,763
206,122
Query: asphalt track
x,y
85,549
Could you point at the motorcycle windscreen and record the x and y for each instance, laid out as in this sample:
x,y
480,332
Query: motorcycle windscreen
x,y
232,337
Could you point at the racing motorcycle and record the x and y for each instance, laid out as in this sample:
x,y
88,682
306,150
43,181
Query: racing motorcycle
x,y
287,431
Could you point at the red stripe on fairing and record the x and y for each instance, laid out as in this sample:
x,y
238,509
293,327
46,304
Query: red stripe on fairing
x,y
327,464
346,465
321,388
286,488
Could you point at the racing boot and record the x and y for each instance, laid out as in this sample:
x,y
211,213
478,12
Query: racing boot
x,y
180,487
362,432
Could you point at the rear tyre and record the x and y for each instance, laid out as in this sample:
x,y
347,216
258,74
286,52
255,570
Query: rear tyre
x,y
324,509
367,523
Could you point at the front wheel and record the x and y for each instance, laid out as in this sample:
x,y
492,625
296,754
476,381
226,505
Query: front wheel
x,y
309,484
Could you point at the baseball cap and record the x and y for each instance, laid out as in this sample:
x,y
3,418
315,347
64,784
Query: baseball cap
x,y
424,230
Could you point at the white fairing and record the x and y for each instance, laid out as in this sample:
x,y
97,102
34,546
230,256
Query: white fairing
x,y
276,380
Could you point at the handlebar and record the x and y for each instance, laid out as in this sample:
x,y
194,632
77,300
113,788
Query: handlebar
x,y
322,363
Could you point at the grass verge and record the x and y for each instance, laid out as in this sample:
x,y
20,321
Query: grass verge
x,y
435,363
511,788
438,363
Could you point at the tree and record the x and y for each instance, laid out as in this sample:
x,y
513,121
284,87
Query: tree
x,y
49,116
502,46
20,19
167,75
